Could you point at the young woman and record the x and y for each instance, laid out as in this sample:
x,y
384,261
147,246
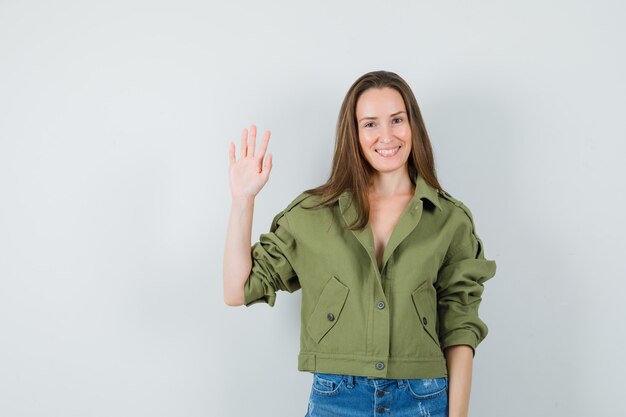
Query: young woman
x,y
390,265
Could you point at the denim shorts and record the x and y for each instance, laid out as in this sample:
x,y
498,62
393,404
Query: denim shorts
x,y
337,395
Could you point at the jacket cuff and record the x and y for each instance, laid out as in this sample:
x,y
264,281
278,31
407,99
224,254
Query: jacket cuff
x,y
460,337
255,292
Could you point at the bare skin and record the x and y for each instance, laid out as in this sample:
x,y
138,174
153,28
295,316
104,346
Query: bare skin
x,y
384,214
460,363
248,175
383,125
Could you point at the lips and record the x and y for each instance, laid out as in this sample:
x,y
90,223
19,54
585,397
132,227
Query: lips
x,y
388,152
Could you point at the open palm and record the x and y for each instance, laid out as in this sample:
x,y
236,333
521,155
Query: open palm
x,y
248,174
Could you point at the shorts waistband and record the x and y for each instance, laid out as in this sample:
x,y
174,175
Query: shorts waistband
x,y
351,380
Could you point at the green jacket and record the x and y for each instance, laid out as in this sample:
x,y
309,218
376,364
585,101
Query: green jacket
x,y
358,320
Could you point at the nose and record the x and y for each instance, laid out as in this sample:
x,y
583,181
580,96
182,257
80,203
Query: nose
x,y
385,134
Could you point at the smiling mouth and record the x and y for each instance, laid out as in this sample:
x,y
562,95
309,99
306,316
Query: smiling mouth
x,y
388,153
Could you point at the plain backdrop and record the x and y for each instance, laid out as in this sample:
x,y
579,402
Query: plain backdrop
x,y
115,123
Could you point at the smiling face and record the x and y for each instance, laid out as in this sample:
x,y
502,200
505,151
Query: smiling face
x,y
383,128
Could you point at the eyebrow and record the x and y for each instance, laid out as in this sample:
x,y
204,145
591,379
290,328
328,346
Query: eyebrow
x,y
374,118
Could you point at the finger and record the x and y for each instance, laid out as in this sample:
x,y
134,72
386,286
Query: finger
x,y
267,167
263,145
231,154
252,141
242,149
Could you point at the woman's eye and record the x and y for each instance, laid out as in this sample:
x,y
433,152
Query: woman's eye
x,y
398,118
368,124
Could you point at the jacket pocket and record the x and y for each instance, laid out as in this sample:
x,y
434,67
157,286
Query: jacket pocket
x,y
425,302
328,309
427,388
327,385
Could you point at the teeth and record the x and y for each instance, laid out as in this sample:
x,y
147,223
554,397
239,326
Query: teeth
x,y
387,152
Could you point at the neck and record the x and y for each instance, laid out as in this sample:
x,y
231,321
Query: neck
x,y
388,184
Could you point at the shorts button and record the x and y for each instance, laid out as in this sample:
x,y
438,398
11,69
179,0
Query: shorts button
x,y
380,393
380,409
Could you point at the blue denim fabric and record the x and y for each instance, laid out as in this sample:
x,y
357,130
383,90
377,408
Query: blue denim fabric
x,y
335,395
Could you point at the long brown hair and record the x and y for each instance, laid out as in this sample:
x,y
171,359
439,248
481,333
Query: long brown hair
x,y
350,170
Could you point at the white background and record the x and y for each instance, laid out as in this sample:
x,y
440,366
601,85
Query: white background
x,y
115,122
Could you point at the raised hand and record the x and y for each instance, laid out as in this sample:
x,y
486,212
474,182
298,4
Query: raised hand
x,y
248,174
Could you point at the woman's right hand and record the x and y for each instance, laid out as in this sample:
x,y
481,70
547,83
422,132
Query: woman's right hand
x,y
248,174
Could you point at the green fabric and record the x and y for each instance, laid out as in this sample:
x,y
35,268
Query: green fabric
x,y
356,320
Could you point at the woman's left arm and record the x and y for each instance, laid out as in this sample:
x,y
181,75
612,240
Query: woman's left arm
x,y
460,360
460,284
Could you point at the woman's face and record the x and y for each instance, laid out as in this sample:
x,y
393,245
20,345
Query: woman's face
x,y
383,128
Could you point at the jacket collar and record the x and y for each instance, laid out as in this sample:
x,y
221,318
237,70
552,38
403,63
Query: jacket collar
x,y
422,190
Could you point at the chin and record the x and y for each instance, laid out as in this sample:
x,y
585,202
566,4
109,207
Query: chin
x,y
383,169
388,167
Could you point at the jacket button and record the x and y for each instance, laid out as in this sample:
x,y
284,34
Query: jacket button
x,y
330,316
425,321
381,305
380,365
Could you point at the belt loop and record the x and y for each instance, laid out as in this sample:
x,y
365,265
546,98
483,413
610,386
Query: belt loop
x,y
350,381
401,383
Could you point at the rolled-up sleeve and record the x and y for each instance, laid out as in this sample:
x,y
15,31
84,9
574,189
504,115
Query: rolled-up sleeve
x,y
459,290
273,258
